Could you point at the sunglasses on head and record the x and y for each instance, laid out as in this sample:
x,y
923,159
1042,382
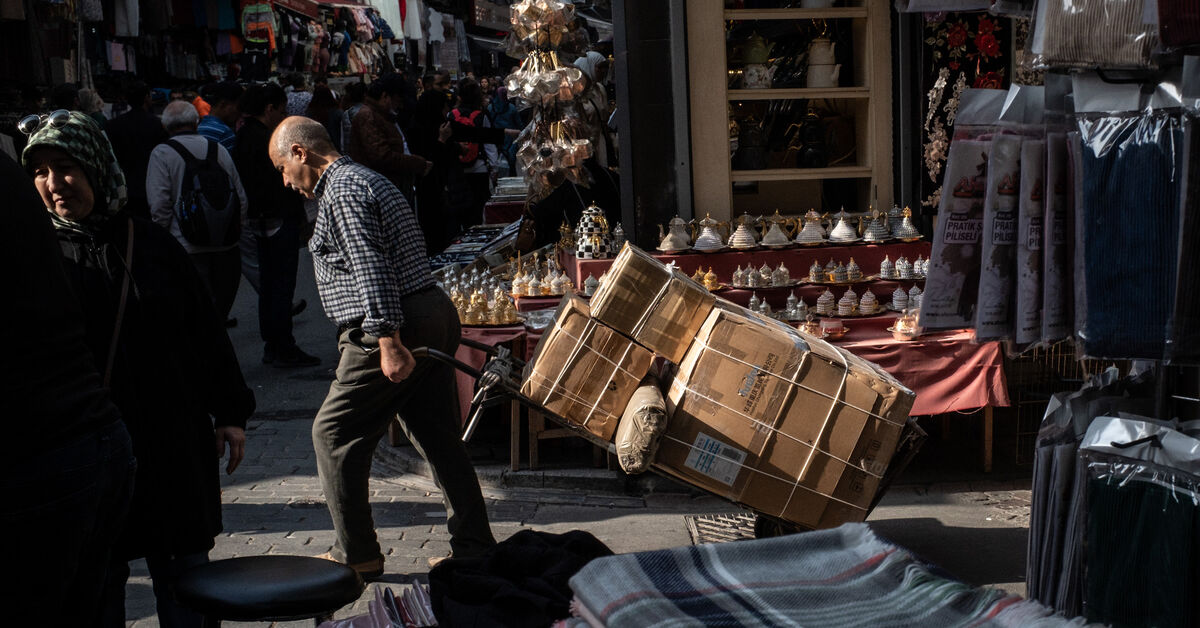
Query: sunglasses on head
x,y
31,123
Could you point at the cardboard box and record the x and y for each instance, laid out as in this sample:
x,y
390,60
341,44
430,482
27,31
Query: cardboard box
x,y
786,424
656,305
585,372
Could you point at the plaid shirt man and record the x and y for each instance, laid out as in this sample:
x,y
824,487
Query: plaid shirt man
x,y
368,251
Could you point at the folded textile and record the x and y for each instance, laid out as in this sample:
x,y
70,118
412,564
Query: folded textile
x,y
1131,188
522,581
845,576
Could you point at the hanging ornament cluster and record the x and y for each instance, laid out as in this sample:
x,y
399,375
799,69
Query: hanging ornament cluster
x,y
542,81
553,148
553,152
542,25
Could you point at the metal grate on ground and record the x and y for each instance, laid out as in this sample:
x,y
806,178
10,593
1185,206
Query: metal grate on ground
x,y
720,528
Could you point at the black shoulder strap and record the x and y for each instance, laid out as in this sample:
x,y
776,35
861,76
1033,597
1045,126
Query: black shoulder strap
x,y
211,157
187,155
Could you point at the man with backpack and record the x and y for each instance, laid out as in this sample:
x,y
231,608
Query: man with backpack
x,y
194,192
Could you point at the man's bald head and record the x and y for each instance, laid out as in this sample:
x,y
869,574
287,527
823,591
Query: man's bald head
x,y
301,151
304,132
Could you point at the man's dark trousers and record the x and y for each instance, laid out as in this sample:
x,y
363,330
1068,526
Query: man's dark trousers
x,y
278,258
356,413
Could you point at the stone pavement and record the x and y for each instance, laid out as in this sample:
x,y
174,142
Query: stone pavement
x,y
273,502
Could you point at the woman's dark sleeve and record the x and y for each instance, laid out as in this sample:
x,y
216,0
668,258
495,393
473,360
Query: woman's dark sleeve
x,y
219,381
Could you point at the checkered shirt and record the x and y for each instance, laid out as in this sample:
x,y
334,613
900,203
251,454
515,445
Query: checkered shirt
x,y
368,251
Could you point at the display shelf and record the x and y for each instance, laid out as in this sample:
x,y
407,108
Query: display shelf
x,y
802,174
865,178
796,14
798,93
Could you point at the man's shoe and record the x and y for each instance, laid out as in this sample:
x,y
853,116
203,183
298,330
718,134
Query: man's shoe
x,y
291,358
368,571
299,306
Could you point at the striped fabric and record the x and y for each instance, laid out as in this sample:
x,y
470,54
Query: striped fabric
x,y
1131,188
1097,33
841,577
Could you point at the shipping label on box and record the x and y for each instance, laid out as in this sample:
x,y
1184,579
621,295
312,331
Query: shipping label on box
x,y
656,305
585,372
715,459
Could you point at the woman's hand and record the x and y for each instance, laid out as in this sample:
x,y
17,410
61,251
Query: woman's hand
x,y
236,437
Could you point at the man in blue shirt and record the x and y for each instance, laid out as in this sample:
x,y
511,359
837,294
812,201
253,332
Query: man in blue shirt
x,y
218,124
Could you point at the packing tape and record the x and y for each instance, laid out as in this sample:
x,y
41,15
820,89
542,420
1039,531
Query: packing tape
x,y
774,430
578,347
792,378
786,480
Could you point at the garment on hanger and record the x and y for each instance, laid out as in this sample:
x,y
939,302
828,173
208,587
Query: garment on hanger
x,y
464,50
412,19
437,30
89,11
125,18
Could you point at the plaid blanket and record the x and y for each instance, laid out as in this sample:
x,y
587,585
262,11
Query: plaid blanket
x,y
841,577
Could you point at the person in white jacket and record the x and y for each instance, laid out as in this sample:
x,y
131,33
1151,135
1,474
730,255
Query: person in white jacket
x,y
220,266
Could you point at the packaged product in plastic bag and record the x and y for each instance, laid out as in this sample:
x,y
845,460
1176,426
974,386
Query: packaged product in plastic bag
x,y
993,314
1140,534
952,281
1131,178
641,427
1056,254
1092,34
1183,335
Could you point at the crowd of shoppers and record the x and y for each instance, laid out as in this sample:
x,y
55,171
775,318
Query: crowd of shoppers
x,y
139,229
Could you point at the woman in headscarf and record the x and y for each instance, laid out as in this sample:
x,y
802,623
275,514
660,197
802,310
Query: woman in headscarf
x,y
161,349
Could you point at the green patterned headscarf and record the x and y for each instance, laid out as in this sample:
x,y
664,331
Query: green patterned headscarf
x,y
83,139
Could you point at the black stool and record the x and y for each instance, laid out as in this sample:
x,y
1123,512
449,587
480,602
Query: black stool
x,y
268,588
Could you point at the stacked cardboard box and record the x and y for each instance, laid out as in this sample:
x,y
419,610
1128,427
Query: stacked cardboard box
x,y
585,372
782,422
656,305
788,425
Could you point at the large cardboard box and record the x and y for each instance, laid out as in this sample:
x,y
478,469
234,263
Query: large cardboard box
x,y
786,424
657,305
585,372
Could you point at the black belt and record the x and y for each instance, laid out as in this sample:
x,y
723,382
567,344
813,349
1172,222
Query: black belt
x,y
343,327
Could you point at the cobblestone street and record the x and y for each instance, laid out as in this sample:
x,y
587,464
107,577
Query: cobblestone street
x,y
273,503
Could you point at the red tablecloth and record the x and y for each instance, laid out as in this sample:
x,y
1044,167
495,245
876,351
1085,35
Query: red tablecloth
x,y
490,336
502,212
526,341
948,370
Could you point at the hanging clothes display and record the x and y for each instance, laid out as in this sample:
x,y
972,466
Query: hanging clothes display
x,y
413,9
1142,529
125,18
1183,338
1129,162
